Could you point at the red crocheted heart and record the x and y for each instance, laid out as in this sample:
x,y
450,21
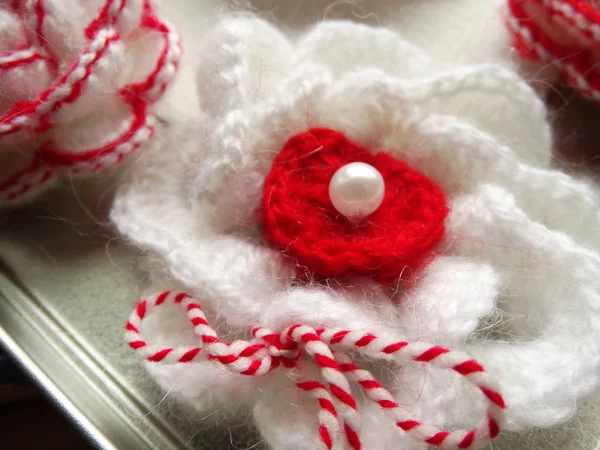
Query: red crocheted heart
x,y
565,33
389,245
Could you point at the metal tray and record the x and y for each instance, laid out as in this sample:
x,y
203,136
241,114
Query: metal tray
x,y
67,285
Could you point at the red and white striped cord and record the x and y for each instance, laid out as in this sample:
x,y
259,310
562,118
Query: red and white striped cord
x,y
575,18
338,416
37,115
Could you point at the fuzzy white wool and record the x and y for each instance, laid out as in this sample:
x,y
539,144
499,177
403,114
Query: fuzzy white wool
x,y
219,388
517,284
472,31
66,70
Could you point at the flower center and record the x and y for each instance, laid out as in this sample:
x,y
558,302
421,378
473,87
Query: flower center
x,y
343,211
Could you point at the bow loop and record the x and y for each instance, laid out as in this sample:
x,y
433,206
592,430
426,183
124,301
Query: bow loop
x,y
328,349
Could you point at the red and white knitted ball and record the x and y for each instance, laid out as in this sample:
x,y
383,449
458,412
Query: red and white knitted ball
x,y
79,79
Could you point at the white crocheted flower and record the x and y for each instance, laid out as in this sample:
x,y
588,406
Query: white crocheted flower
x,y
515,281
79,79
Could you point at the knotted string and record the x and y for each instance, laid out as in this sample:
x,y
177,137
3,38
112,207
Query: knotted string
x,y
338,417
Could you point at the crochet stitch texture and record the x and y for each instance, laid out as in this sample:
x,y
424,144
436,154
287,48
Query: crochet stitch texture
x,y
514,282
79,79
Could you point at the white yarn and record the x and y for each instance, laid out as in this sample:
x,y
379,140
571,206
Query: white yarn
x,y
518,284
456,32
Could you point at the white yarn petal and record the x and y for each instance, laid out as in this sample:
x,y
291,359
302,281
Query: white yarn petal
x,y
490,96
60,63
131,17
141,57
459,156
439,27
547,354
219,389
63,38
285,417
95,130
495,100
374,106
233,274
228,188
105,86
565,193
515,282
25,83
150,208
62,19
344,46
11,31
366,308
456,154
449,300
27,80
169,326
237,278
241,59
488,225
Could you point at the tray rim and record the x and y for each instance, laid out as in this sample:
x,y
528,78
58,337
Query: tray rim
x,y
71,377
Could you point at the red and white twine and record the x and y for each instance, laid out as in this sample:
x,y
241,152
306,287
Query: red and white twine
x,y
37,116
338,414
570,40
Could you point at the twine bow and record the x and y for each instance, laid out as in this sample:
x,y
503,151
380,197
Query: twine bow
x,y
338,416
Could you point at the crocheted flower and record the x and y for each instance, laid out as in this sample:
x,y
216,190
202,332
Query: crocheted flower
x,y
563,33
78,82
512,279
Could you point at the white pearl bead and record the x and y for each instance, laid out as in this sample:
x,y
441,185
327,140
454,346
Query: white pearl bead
x,y
356,190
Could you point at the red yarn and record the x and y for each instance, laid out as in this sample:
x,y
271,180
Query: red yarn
x,y
389,245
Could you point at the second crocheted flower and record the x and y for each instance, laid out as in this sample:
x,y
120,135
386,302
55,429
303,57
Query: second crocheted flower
x,y
240,205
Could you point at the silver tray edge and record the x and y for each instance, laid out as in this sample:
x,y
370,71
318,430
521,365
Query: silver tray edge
x,y
70,380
